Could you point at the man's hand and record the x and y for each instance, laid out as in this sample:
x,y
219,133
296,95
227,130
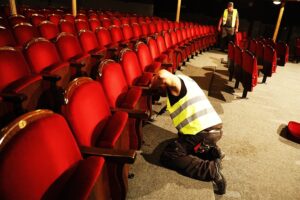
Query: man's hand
x,y
219,28
236,30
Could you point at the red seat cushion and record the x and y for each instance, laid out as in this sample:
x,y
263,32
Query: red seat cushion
x,y
131,98
294,129
82,181
113,130
144,80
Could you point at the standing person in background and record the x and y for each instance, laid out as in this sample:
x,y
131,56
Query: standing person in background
x,y
228,25
195,152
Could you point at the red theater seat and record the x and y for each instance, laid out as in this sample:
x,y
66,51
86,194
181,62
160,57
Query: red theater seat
x,y
81,24
36,19
54,18
269,62
67,26
250,72
54,167
89,115
94,23
231,52
48,30
6,37
282,50
132,70
130,99
43,58
19,88
238,63
24,32
70,50
146,61
294,129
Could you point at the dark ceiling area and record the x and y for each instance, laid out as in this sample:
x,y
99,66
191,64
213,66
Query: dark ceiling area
x,y
252,10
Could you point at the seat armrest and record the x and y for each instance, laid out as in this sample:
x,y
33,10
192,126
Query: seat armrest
x,y
77,65
167,65
140,114
113,155
53,78
97,56
16,98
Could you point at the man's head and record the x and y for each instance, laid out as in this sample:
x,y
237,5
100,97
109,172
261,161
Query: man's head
x,y
163,79
230,6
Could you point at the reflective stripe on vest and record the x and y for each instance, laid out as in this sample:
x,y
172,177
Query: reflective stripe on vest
x,y
234,15
192,113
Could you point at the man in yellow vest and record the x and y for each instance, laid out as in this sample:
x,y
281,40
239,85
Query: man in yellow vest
x,y
228,25
194,153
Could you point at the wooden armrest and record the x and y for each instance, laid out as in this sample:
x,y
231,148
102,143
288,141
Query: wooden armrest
x,y
53,78
13,97
133,113
113,155
259,67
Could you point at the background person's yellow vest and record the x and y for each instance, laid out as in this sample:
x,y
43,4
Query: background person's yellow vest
x,y
193,112
234,15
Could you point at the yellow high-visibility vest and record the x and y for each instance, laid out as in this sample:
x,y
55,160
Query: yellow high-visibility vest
x,y
234,15
193,112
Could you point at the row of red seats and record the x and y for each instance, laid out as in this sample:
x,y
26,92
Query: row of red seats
x,y
245,65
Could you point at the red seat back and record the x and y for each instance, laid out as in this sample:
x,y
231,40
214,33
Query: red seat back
x,y
103,37
106,23
24,32
252,46
269,60
36,19
250,70
94,23
111,72
153,48
67,26
144,55
127,32
152,28
116,34
51,155
41,54
260,52
81,24
54,18
48,30
131,66
69,17
137,31
6,37
68,46
13,66
88,40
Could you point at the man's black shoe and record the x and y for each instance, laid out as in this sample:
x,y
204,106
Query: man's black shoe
x,y
219,180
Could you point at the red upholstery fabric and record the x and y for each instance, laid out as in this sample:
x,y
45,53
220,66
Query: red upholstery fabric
x,y
36,19
250,74
6,37
36,158
132,70
294,129
231,52
24,32
282,50
94,23
152,28
69,47
155,54
67,26
116,34
146,62
145,29
82,181
269,60
118,94
48,30
69,17
260,52
106,23
113,130
127,32
137,31
13,67
253,46
41,54
88,41
54,18
237,62
87,112
103,37
17,19
81,24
